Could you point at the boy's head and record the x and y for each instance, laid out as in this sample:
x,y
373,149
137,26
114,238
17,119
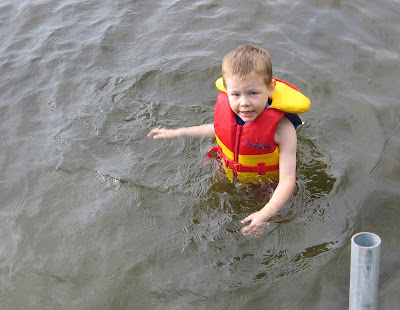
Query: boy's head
x,y
245,61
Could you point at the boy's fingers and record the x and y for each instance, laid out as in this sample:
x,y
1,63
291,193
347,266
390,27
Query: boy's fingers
x,y
155,133
245,230
152,132
248,228
248,231
253,230
247,218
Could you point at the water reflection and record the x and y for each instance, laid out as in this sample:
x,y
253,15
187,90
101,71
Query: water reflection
x,y
314,167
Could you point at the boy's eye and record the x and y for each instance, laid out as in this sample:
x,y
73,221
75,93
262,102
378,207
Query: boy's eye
x,y
253,93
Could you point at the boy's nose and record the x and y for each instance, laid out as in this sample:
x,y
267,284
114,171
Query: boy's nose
x,y
244,101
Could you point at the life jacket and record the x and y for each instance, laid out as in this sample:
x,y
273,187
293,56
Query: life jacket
x,y
248,152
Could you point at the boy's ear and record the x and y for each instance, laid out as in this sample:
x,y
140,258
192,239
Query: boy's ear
x,y
271,87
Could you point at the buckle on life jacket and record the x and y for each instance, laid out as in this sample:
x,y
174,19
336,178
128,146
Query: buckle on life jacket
x,y
236,167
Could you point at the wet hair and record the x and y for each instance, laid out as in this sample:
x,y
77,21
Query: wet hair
x,y
245,61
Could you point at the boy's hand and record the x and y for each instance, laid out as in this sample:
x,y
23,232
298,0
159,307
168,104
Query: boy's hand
x,y
257,225
162,133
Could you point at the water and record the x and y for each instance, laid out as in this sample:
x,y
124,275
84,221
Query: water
x,y
96,216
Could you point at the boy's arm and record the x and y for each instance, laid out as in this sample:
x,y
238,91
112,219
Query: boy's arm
x,y
202,131
286,138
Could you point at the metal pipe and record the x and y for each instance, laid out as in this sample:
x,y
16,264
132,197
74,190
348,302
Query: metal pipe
x,y
364,271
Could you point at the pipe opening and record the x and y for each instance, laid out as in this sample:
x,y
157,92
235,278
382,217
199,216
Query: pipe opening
x,y
366,240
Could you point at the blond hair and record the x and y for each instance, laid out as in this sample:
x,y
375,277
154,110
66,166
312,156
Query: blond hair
x,y
245,61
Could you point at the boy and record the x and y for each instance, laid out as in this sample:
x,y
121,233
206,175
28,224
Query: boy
x,y
253,136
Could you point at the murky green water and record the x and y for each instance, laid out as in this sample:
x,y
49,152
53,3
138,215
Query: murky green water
x,y
96,216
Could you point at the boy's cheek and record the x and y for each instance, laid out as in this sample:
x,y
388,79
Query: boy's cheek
x,y
232,102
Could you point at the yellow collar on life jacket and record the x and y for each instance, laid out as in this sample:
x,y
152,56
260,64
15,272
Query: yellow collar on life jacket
x,y
284,98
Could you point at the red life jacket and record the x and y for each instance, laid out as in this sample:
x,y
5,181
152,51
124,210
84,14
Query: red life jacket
x,y
248,148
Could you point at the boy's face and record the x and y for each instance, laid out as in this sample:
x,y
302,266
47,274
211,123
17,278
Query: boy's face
x,y
249,97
